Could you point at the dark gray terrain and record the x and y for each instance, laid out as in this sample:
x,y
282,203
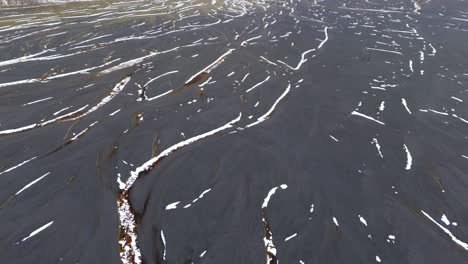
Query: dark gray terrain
x,y
234,131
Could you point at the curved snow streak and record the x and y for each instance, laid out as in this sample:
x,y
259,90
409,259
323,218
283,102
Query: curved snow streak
x,y
207,82
198,198
159,95
461,119
325,40
208,68
147,166
130,252
268,61
367,117
269,112
163,238
37,231
19,82
253,38
270,194
89,40
362,220
258,84
84,71
115,91
434,51
45,80
142,91
77,114
270,247
17,166
77,136
62,117
24,58
377,145
200,26
454,239
172,206
371,10
302,61
290,237
31,184
128,64
37,101
33,57
159,76
403,101
387,51
42,124
245,77
335,221
409,158
136,61
61,110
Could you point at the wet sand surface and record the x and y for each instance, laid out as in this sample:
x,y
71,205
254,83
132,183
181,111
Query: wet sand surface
x,y
234,132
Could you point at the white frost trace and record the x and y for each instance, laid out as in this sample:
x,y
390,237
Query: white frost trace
x,y
388,51
270,193
376,142
382,106
70,116
454,239
367,117
115,91
35,232
363,221
172,206
37,101
302,61
258,84
335,221
325,40
403,101
133,62
270,247
149,164
203,254
210,67
268,61
409,158
31,183
267,114
159,76
290,237
23,59
445,219
164,243
17,166
130,251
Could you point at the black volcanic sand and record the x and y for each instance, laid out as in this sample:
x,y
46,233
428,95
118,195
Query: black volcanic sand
x,y
368,178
